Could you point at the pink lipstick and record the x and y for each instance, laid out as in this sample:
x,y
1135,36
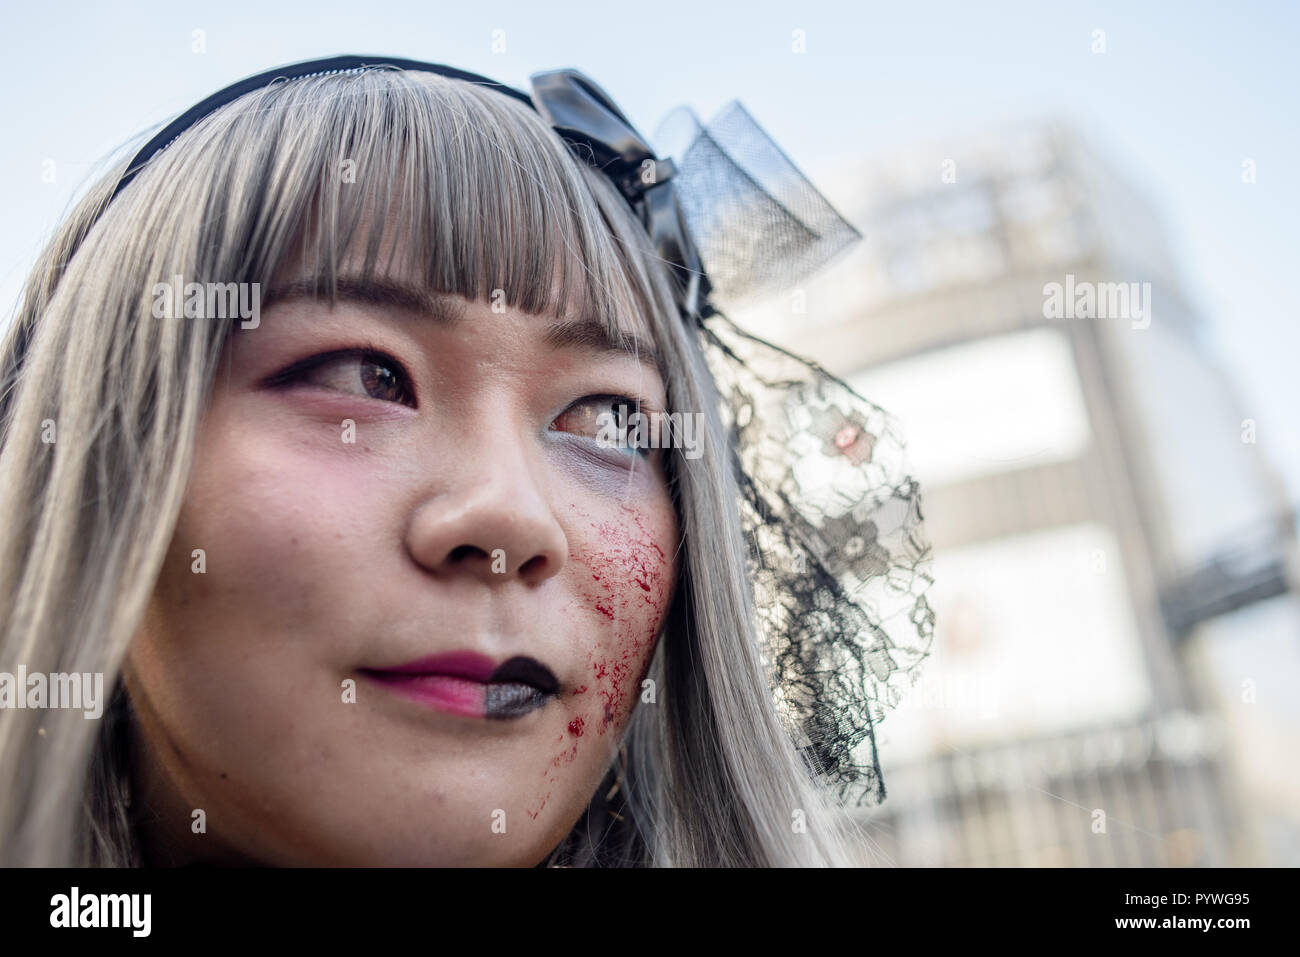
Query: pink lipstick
x,y
472,685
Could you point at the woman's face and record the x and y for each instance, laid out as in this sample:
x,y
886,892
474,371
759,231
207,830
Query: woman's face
x,y
426,595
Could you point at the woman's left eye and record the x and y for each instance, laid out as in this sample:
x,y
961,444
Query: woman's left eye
x,y
356,372
605,418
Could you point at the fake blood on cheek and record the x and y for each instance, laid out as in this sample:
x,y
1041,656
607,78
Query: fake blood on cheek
x,y
628,582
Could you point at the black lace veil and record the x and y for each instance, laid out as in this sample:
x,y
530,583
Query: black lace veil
x,y
833,522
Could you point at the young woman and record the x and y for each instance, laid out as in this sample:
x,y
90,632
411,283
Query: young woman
x,y
367,580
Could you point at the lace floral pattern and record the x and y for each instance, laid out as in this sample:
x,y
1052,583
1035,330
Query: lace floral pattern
x,y
837,559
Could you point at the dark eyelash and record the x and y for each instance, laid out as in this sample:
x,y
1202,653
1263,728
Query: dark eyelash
x,y
632,402
295,371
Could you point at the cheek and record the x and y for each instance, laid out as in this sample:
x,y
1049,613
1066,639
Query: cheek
x,y
280,537
628,574
274,596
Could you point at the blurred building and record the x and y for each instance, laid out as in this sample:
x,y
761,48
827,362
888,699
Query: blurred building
x,y
1118,632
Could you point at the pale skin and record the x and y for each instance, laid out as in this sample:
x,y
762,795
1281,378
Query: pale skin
x,y
325,557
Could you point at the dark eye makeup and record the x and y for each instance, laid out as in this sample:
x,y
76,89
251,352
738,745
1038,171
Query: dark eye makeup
x,y
365,372
605,419
368,372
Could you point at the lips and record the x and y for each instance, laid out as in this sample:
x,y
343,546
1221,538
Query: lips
x,y
472,685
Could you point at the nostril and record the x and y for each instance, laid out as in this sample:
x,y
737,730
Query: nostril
x,y
461,552
533,565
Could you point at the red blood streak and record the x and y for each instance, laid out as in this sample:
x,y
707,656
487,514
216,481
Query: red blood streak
x,y
533,814
631,584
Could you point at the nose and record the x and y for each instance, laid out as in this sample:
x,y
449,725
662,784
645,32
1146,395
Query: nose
x,y
495,525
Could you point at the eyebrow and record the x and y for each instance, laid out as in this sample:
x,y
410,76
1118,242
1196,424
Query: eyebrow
x,y
585,332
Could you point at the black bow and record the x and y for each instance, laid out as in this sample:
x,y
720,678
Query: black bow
x,y
579,110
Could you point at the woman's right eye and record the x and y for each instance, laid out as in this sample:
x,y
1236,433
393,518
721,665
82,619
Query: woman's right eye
x,y
363,373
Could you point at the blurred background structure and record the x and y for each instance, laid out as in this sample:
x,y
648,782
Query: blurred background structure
x,y
1115,562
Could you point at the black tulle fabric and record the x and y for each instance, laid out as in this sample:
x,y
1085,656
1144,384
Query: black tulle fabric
x,y
833,521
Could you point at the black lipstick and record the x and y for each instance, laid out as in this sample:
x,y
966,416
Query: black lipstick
x,y
519,686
